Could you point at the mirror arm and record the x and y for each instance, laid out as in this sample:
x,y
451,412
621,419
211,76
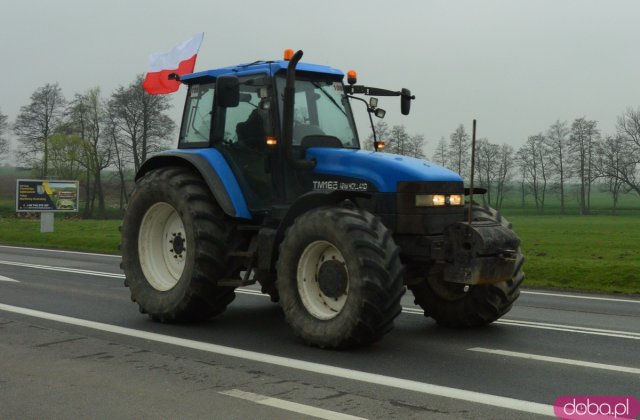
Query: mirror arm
x,y
369,111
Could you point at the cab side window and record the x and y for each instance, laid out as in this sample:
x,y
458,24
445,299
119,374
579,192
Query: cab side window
x,y
196,123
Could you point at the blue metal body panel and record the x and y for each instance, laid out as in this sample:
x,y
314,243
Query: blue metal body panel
x,y
219,164
384,170
266,67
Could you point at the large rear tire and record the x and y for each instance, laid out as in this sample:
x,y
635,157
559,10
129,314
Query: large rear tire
x,y
458,305
174,245
339,277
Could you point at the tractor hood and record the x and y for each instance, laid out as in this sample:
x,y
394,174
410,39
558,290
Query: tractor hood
x,y
383,170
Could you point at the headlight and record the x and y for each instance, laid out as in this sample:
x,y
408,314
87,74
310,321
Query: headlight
x,y
431,200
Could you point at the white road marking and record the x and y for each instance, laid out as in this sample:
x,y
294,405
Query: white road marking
x,y
350,374
560,360
60,250
290,406
63,269
563,295
407,310
3,278
570,328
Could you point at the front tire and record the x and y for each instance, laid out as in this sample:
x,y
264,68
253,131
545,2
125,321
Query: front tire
x,y
339,278
458,305
174,245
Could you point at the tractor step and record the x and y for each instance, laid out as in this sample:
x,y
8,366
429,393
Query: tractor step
x,y
235,282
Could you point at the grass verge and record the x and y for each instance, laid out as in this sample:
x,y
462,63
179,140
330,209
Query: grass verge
x,y
100,236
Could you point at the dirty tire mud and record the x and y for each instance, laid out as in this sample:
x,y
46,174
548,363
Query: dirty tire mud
x,y
451,306
174,243
339,277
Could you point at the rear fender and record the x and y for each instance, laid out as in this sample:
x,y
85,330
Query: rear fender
x,y
215,171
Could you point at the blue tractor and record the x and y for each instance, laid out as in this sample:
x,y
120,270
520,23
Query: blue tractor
x,y
269,185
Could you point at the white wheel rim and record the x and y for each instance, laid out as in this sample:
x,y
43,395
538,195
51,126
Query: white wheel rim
x,y
161,264
314,300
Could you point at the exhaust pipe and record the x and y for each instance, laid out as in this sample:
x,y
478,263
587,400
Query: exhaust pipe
x,y
287,115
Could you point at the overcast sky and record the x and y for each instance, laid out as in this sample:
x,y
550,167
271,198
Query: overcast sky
x,y
516,66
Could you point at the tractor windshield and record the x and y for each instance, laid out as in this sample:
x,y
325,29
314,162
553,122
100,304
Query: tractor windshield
x,y
321,108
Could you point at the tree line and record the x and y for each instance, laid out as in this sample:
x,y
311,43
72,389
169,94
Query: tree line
x,y
81,137
564,153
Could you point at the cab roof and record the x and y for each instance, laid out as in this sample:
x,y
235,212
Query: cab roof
x,y
266,67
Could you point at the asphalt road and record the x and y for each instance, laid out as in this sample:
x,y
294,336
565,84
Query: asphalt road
x,y
73,345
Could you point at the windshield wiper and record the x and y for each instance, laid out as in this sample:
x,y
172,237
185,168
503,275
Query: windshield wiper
x,y
331,98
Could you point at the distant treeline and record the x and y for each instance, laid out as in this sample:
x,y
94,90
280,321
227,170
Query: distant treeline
x,y
576,153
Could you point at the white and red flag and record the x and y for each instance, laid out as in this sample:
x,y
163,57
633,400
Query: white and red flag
x,y
180,60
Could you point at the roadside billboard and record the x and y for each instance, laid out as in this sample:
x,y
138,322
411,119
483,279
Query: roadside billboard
x,y
38,195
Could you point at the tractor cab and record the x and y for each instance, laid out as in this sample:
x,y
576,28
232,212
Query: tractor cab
x,y
239,111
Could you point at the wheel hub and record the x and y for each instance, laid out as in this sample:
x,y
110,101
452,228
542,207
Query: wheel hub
x,y
178,245
333,278
323,280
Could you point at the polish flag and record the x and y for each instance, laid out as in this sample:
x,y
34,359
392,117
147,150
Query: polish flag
x,y
180,60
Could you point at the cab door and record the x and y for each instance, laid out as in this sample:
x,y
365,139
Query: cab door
x,y
240,134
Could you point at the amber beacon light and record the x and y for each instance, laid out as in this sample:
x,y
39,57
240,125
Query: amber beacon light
x,y
288,53
352,77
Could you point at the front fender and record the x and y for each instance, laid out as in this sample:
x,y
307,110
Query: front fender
x,y
314,199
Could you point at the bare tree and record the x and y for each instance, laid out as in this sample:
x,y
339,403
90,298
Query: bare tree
x,y
416,146
142,121
503,173
36,122
584,135
441,153
381,129
402,143
66,156
459,151
86,113
533,160
494,164
615,163
619,156
557,139
4,142
397,140
487,161
629,130
629,127
119,158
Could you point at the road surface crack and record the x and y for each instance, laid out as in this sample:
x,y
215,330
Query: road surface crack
x,y
53,343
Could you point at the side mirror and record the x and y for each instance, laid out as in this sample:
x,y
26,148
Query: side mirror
x,y
405,101
227,91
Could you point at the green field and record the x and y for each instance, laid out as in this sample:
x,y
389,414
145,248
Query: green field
x,y
599,253
595,253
